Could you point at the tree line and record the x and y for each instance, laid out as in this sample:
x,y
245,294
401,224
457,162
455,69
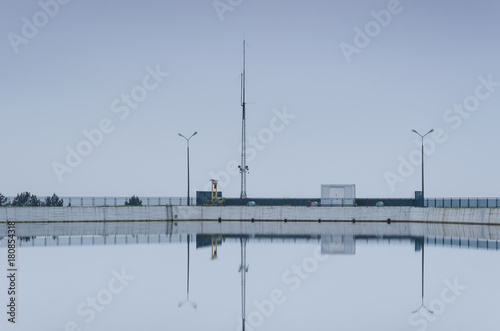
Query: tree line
x,y
26,199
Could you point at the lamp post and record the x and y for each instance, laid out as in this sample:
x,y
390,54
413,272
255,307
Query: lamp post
x,y
187,141
432,130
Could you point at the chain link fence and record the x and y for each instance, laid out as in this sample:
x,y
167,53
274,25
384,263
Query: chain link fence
x,y
117,201
463,202
295,202
431,202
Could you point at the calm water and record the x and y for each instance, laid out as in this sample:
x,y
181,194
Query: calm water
x,y
133,276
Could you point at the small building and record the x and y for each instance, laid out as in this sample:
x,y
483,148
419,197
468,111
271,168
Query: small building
x,y
338,194
204,198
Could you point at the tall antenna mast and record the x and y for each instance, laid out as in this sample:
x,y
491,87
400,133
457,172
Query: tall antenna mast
x,y
243,166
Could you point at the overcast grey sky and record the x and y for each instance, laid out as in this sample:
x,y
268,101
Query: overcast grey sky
x,y
334,89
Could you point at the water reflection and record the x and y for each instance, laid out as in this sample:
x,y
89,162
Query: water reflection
x,y
187,301
284,285
337,237
422,306
243,271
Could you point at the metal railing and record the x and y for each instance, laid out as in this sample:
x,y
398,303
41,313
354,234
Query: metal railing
x,y
295,202
117,201
432,202
463,202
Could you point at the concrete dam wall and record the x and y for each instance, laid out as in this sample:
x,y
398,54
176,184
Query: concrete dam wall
x,y
478,216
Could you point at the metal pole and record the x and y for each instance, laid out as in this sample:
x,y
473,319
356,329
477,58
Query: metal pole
x,y
188,172
187,141
432,130
243,167
422,171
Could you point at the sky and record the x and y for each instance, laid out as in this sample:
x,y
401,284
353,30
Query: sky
x,y
93,95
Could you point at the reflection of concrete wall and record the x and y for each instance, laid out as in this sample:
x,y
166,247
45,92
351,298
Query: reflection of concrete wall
x,y
338,244
154,233
96,240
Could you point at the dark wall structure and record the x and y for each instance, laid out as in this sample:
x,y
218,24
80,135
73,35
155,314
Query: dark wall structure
x,y
204,198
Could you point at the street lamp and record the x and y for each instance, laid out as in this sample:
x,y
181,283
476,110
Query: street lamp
x,y
187,140
432,130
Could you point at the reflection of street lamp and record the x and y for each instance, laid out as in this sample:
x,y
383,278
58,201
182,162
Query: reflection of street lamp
x,y
432,130
193,304
422,305
187,140
243,269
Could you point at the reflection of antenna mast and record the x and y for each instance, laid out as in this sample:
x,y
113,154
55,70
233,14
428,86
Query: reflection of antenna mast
x,y
243,269
243,166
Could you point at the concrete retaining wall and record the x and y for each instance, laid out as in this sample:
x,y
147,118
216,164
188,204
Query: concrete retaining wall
x,y
79,214
482,216
440,215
